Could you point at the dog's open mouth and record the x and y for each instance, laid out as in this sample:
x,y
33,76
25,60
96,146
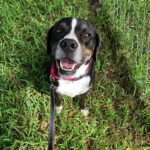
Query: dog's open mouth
x,y
67,66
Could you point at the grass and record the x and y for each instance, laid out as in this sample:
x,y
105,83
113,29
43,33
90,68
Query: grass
x,y
119,104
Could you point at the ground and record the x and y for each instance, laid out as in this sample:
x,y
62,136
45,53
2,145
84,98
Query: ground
x,y
119,102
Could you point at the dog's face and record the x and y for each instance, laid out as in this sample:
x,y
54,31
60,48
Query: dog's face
x,y
72,42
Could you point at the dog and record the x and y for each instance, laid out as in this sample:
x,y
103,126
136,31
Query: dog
x,y
73,45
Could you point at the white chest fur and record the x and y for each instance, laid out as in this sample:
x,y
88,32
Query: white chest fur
x,y
74,88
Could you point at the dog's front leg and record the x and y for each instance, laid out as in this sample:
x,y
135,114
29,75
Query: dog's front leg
x,y
58,104
84,110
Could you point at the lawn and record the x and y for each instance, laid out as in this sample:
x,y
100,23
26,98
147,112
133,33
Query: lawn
x,y
119,103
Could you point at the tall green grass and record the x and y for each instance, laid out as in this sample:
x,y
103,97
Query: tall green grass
x,y
119,104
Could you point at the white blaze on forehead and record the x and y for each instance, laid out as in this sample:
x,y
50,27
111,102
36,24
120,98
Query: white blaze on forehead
x,y
71,34
73,25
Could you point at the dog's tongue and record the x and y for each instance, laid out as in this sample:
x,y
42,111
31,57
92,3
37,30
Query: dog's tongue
x,y
66,63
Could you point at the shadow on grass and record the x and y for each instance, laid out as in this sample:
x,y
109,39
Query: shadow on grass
x,y
112,36
122,71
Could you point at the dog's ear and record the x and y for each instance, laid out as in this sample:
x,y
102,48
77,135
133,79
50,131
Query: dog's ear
x,y
97,47
49,36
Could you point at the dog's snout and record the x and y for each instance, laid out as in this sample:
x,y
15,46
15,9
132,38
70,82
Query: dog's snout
x,y
68,45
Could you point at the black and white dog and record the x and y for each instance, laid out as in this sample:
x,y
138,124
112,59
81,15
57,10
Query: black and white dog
x,y
73,45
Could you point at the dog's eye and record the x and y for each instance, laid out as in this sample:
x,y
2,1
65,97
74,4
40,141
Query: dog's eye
x,y
58,30
87,35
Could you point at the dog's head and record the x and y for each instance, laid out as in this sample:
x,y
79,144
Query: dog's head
x,y
72,42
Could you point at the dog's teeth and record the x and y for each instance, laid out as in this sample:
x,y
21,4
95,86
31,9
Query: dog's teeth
x,y
73,66
67,69
61,65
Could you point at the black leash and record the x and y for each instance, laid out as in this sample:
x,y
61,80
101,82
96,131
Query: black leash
x,y
52,114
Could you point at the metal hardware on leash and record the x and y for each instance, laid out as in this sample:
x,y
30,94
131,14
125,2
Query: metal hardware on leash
x,y
52,81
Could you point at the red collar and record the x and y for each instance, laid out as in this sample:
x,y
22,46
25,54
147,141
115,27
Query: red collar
x,y
54,72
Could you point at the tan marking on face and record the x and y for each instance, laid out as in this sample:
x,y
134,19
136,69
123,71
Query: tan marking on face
x,y
87,53
83,27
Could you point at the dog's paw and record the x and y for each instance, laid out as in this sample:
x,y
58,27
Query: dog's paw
x,y
85,111
58,109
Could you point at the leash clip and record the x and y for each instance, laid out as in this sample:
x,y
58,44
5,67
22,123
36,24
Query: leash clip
x,y
52,81
52,86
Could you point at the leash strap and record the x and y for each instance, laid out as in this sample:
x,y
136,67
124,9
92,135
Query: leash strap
x,y
52,116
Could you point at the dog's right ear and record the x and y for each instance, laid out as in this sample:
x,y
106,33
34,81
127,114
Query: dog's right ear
x,y
49,36
97,47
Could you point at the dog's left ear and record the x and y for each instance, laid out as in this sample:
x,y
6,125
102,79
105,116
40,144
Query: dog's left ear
x,y
97,47
49,37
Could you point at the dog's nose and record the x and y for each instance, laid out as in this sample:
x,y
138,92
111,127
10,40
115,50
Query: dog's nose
x,y
68,45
